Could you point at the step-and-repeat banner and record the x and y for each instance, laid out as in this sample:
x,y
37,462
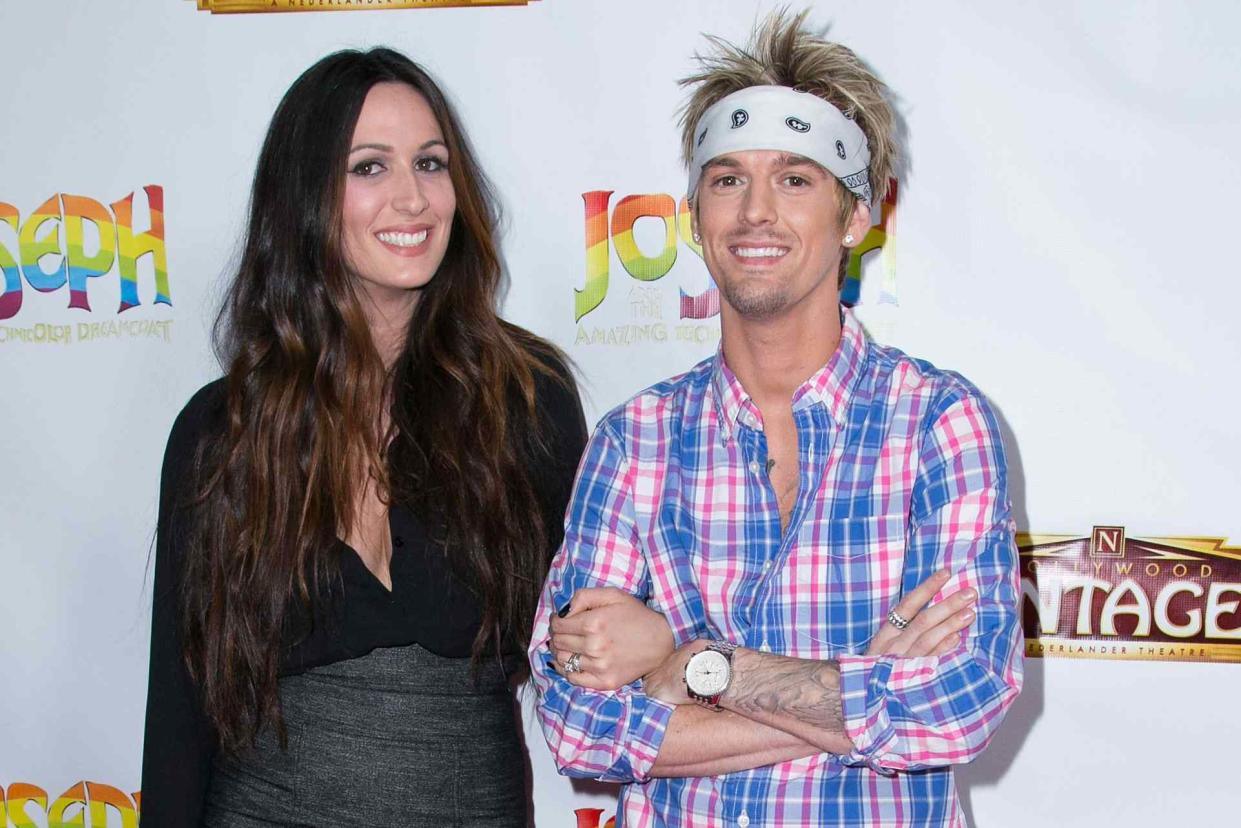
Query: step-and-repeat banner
x,y
1063,233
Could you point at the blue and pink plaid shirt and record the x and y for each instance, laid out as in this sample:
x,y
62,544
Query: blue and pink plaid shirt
x,y
902,474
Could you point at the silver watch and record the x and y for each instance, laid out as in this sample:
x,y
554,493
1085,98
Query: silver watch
x,y
709,672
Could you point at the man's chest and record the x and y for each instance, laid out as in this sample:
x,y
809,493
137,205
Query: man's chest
x,y
809,585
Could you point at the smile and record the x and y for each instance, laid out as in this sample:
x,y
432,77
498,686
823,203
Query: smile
x,y
759,252
403,239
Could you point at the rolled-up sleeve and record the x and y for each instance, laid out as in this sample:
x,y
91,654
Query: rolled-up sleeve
x,y
913,713
612,736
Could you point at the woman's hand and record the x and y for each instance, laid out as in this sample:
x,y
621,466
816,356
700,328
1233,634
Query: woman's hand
x,y
932,631
618,638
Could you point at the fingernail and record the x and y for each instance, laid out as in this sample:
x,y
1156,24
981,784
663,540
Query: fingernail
x,y
968,615
969,595
565,609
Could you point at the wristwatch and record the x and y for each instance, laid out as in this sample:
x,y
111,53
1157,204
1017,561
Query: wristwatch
x,y
709,672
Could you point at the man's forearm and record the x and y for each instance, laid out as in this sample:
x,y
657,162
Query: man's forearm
x,y
701,742
793,695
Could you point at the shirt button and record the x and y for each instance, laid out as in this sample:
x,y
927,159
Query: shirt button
x,y
398,541
743,820
754,467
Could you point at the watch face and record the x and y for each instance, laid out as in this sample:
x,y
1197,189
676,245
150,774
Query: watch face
x,y
707,673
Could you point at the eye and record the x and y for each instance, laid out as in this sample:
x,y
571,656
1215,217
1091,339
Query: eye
x,y
726,180
367,168
430,163
796,180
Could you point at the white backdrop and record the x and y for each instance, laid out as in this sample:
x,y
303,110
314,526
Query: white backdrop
x,y
1065,237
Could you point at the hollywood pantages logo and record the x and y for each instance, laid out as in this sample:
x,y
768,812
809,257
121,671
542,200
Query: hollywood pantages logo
x,y
271,6
1111,595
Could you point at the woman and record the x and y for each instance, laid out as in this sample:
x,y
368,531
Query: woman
x,y
356,520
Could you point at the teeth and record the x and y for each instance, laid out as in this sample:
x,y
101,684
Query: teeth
x,y
760,252
403,239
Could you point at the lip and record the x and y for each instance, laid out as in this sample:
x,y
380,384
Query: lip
x,y
406,250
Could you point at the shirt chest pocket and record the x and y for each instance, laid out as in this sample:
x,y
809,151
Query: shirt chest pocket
x,y
843,583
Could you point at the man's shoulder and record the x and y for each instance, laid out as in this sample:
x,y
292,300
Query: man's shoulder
x,y
893,373
673,399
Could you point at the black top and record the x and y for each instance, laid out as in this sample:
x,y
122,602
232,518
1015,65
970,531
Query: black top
x,y
427,605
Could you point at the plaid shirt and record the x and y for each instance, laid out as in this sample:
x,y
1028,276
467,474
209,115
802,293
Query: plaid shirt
x,y
902,474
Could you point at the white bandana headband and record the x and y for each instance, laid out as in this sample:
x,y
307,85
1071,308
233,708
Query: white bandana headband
x,y
781,118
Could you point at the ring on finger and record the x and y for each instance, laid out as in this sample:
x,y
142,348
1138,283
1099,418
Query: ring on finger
x,y
897,620
573,664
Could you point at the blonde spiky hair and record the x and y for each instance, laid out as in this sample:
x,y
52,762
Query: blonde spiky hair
x,y
783,52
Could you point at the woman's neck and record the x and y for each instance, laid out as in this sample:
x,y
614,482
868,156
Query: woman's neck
x,y
388,321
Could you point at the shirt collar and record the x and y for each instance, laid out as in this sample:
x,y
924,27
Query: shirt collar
x,y
732,401
831,386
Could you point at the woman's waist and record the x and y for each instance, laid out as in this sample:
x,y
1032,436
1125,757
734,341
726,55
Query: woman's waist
x,y
398,686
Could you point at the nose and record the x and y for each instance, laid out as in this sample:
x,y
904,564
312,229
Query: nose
x,y
758,205
408,196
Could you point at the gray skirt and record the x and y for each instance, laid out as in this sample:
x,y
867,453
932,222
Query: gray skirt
x,y
399,737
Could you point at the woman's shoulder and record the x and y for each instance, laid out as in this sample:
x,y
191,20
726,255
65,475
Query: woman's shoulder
x,y
555,386
538,349
204,414
204,410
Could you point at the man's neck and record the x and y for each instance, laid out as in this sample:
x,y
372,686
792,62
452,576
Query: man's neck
x,y
772,357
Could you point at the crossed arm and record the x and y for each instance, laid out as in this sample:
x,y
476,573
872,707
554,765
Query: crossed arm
x,y
776,709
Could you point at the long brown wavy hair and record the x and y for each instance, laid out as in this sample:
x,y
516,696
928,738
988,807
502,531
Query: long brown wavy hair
x,y
305,392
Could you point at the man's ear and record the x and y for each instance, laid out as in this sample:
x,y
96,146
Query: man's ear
x,y
859,223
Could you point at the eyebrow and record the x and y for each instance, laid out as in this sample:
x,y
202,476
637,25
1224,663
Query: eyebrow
x,y
434,142
792,159
722,161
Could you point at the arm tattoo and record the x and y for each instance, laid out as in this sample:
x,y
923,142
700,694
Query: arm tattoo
x,y
808,691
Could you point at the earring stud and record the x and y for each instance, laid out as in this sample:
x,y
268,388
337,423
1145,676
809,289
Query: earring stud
x,y
697,238
848,238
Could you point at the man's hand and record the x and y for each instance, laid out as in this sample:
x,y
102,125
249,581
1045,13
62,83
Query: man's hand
x,y
932,631
619,638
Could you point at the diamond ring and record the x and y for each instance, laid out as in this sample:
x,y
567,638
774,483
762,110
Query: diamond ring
x,y
573,664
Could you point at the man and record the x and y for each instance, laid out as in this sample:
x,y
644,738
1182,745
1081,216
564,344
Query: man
x,y
788,506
